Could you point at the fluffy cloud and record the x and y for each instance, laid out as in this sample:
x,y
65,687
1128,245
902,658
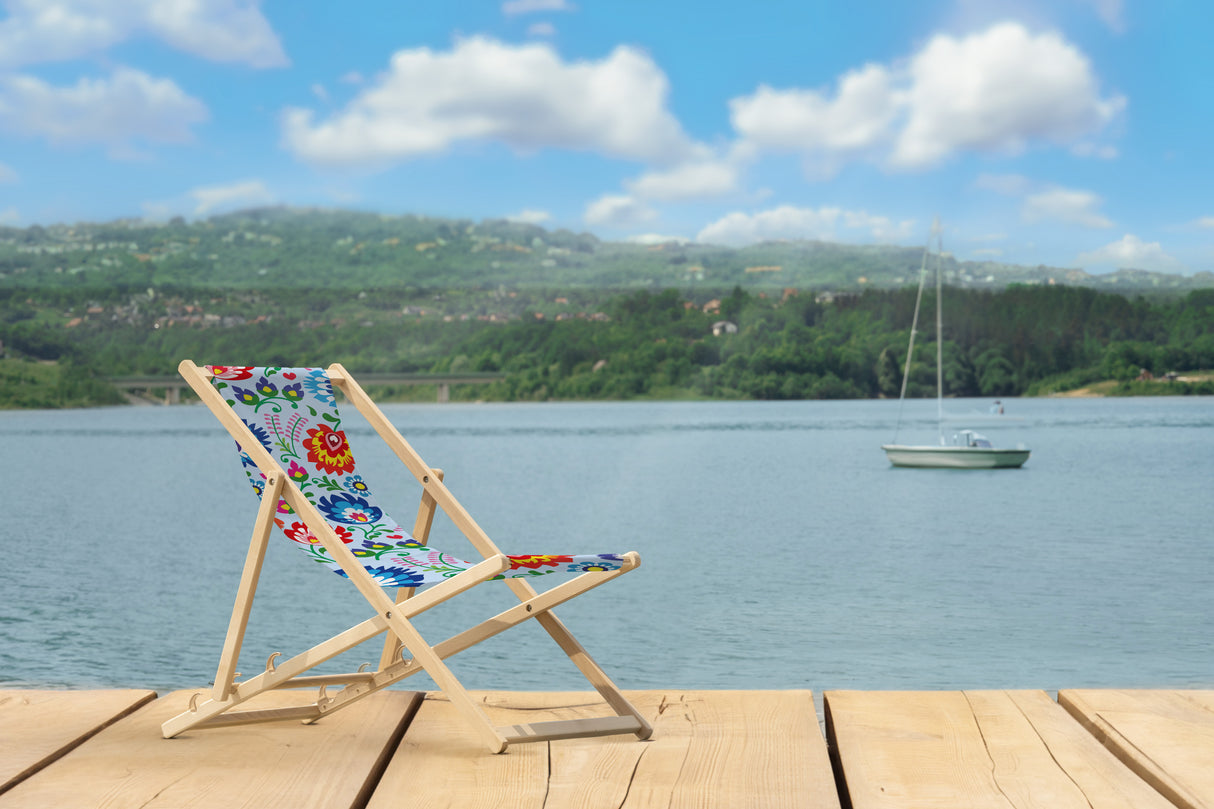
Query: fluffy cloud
x,y
1130,252
219,30
1206,222
996,90
618,211
129,105
694,180
236,195
524,96
857,117
7,175
788,222
1065,205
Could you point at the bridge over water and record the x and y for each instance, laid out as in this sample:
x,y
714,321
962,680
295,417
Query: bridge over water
x,y
168,388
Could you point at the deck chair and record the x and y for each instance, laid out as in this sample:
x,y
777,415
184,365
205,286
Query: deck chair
x,y
288,431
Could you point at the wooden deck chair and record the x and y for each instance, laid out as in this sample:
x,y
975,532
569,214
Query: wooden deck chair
x,y
295,453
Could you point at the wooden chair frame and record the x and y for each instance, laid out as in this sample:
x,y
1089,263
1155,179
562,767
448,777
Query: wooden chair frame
x,y
391,615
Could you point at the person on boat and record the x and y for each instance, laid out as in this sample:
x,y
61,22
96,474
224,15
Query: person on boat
x,y
997,408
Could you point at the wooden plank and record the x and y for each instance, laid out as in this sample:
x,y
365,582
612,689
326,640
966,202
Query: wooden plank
x,y
37,727
334,763
1167,737
709,749
974,749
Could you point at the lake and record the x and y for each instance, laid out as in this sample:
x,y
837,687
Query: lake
x,y
780,549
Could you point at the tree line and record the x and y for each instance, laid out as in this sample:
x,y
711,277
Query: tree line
x,y
1025,340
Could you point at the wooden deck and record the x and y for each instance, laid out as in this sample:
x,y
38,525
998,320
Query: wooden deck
x,y
733,749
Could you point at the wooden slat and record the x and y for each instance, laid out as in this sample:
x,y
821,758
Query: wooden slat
x,y
37,727
709,749
1167,737
331,764
974,750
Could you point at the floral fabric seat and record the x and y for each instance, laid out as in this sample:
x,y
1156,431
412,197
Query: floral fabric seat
x,y
293,413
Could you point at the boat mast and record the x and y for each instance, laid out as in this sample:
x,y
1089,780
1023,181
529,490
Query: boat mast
x,y
939,333
910,349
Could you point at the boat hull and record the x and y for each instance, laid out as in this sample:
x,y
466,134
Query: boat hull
x,y
927,457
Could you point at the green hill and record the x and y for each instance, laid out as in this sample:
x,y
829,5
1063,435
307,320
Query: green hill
x,y
309,249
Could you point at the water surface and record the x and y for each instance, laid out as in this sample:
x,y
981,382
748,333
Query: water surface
x,y
780,549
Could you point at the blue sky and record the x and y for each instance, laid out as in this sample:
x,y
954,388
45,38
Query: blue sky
x,y
1072,133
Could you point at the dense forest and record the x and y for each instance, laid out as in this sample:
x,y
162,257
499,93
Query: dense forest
x,y
595,344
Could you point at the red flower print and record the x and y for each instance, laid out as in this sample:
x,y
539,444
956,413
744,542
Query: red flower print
x,y
298,532
231,372
328,450
534,562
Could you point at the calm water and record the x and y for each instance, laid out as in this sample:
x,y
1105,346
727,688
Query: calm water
x,y
780,549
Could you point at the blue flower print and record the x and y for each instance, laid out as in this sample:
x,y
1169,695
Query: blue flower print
x,y
259,433
245,396
265,387
317,384
349,509
356,485
293,392
392,576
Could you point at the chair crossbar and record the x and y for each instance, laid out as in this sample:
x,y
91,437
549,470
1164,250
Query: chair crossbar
x,y
570,729
316,680
303,713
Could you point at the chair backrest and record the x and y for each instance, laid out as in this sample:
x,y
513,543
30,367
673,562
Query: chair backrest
x,y
293,413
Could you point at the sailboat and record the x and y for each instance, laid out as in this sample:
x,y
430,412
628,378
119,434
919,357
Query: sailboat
x,y
968,449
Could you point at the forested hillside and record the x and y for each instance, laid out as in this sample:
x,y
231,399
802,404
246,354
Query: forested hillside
x,y
280,248
553,344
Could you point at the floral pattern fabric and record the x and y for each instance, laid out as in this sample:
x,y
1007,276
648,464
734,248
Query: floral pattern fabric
x,y
292,412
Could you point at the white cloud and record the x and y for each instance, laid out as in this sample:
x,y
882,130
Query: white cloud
x,y
788,222
117,110
541,29
1205,222
1130,252
857,117
1065,205
235,195
530,217
7,174
656,238
694,180
220,30
996,91
10,216
618,211
320,92
524,96
514,7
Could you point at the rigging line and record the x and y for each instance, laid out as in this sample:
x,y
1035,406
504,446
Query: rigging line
x,y
914,327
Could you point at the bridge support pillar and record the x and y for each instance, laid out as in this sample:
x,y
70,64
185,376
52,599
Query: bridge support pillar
x,y
444,393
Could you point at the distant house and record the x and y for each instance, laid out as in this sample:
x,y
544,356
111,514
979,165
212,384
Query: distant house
x,y
712,307
724,327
